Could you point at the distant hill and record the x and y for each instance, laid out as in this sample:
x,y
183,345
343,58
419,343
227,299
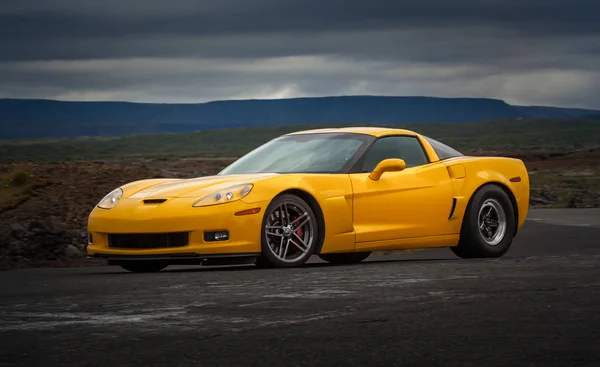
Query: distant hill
x,y
24,118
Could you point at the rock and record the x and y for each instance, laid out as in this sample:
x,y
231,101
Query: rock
x,y
50,224
37,225
544,156
17,248
548,195
42,239
71,251
55,225
536,200
4,241
80,245
72,233
17,230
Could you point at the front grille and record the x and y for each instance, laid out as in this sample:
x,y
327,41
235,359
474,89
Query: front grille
x,y
148,240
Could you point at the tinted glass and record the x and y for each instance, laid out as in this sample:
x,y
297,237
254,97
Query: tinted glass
x,y
443,151
404,147
304,153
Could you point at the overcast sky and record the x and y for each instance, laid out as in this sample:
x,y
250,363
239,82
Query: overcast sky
x,y
523,51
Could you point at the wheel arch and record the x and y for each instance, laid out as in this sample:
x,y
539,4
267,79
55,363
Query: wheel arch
x,y
508,192
316,208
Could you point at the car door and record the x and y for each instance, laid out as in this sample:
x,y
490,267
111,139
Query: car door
x,y
414,202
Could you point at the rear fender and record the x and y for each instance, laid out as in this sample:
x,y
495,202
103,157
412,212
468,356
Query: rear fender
x,y
469,174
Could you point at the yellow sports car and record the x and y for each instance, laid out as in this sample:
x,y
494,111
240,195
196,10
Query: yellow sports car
x,y
338,193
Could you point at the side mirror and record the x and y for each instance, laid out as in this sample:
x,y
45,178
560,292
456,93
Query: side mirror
x,y
387,165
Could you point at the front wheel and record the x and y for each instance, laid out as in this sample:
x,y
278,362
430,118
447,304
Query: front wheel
x,y
290,233
488,226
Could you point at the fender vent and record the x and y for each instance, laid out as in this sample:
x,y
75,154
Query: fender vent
x,y
154,201
453,208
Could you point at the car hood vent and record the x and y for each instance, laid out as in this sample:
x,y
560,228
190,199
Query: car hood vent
x,y
154,201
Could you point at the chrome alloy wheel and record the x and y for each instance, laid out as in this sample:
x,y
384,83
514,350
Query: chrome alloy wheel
x,y
289,232
492,222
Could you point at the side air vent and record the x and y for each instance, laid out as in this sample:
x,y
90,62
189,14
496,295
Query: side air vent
x,y
154,201
453,208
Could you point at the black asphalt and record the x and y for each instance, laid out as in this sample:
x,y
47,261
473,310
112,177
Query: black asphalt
x,y
537,306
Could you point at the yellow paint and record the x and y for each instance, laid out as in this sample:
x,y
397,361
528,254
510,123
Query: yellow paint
x,y
387,165
410,243
457,171
395,208
411,203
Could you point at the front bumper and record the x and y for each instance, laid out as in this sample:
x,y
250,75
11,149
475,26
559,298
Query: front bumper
x,y
132,216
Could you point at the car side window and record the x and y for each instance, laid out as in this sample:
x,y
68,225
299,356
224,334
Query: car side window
x,y
442,150
407,148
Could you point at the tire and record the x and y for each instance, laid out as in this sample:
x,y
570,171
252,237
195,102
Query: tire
x,y
491,240
143,266
282,244
345,258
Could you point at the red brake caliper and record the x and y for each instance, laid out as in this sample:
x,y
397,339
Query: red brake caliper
x,y
299,231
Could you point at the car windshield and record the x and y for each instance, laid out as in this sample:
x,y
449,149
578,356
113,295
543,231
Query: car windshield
x,y
302,153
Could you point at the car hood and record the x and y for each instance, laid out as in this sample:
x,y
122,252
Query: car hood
x,y
195,187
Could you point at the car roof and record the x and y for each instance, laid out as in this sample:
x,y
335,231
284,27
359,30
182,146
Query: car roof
x,y
373,131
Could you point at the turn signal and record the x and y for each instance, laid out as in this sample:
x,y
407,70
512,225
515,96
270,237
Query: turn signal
x,y
248,211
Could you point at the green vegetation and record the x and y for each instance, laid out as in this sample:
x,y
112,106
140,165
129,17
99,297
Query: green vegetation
x,y
507,135
14,187
562,186
19,178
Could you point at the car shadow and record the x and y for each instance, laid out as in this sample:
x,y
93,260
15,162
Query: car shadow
x,y
252,267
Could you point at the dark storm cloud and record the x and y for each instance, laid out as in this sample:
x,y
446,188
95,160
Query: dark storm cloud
x,y
63,29
523,51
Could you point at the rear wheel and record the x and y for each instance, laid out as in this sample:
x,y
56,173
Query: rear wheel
x,y
144,266
290,233
345,258
488,226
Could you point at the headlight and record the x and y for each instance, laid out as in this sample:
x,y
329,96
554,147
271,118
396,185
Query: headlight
x,y
111,199
225,196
